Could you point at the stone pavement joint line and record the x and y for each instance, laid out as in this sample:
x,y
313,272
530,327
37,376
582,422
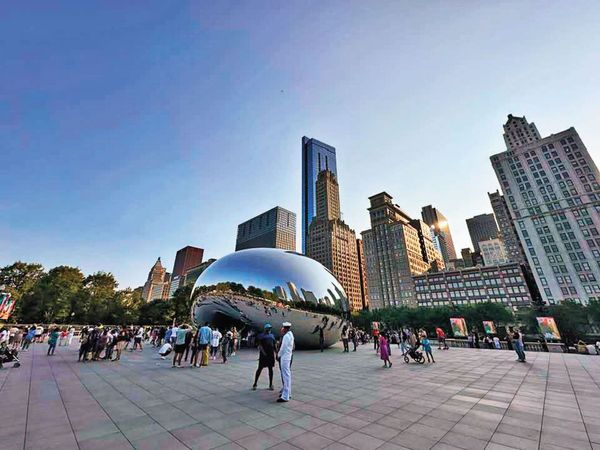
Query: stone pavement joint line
x,y
468,399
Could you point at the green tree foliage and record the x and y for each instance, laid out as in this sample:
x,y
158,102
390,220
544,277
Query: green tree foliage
x,y
156,312
19,279
52,297
181,304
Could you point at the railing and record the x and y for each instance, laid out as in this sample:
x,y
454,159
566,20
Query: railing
x,y
529,346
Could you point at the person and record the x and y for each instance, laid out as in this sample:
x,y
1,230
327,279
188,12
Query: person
x,y
195,349
102,341
426,344
168,334
321,339
70,336
179,345
17,338
488,342
471,340
403,340
441,336
38,334
225,346
27,339
121,338
597,347
189,335
497,342
383,350
214,343
204,338
354,338
284,356
234,341
52,340
137,340
62,337
84,345
345,338
266,355
165,349
476,339
517,343
376,340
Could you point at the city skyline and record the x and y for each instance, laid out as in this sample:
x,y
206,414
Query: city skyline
x,y
84,164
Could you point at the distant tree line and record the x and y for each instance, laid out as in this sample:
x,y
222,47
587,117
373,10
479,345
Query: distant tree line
x,y
65,295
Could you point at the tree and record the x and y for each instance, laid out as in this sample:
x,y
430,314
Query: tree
x,y
155,312
52,297
19,279
99,289
181,304
571,319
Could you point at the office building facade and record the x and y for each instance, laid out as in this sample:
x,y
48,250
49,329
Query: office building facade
x,y
493,252
316,157
275,228
505,284
185,258
157,284
332,242
482,228
551,188
506,229
192,274
393,253
362,267
440,227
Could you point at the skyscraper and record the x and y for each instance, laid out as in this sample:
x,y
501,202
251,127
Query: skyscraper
x,y
157,284
493,252
482,228
438,223
185,258
506,227
362,267
552,192
332,242
395,251
275,228
316,157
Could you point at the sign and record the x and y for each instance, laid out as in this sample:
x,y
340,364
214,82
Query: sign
x,y
489,327
548,327
6,305
459,327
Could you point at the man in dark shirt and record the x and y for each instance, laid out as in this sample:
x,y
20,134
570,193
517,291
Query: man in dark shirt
x,y
266,355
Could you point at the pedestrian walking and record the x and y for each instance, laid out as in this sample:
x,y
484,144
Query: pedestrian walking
x,y
353,338
426,344
52,340
204,338
517,342
384,350
441,337
225,346
179,345
266,355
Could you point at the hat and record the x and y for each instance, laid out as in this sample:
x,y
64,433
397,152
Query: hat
x,y
268,325
286,324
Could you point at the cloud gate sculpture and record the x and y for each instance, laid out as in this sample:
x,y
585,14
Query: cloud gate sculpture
x,y
255,286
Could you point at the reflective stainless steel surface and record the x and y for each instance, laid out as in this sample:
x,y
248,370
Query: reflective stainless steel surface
x,y
270,285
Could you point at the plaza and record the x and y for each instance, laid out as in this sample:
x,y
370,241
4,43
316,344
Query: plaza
x,y
469,399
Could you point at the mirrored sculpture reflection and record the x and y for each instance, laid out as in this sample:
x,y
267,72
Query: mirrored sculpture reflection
x,y
252,287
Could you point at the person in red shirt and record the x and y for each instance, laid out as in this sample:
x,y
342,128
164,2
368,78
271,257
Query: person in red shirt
x,y
441,338
376,339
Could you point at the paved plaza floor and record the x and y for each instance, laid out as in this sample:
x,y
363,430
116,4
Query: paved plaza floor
x,y
469,399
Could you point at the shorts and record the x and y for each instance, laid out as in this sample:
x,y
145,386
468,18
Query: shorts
x,y
179,348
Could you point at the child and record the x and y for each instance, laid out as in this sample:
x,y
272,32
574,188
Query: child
x,y
383,350
426,346
225,345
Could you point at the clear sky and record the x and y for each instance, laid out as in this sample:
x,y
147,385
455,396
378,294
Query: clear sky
x,y
131,129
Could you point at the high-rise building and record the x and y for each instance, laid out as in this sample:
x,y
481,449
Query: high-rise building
x,y
493,252
157,284
316,157
506,284
362,267
332,242
552,192
506,228
394,253
518,132
193,273
438,223
482,228
275,228
185,258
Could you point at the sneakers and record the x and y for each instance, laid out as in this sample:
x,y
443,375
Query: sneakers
x,y
280,400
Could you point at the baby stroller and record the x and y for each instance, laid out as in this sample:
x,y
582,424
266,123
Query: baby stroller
x,y
415,354
7,355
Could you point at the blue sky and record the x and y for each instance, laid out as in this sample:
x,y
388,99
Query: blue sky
x,y
131,129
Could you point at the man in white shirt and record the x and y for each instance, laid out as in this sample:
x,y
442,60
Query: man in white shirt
x,y
284,356
214,343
